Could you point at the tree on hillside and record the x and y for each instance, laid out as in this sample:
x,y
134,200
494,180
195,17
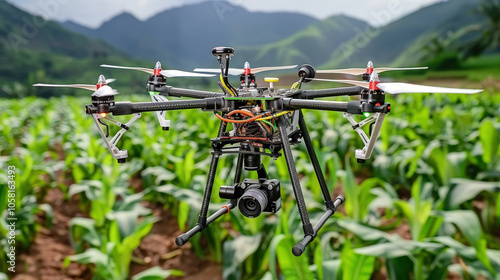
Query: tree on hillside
x,y
490,35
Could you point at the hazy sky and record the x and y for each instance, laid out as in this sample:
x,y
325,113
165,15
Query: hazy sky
x,y
93,13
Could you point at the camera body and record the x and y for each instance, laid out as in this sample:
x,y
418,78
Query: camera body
x,y
254,196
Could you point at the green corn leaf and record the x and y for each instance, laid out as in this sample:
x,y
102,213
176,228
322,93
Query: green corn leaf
x,y
356,266
463,190
364,232
183,215
351,191
331,269
83,230
49,214
469,225
192,198
489,136
235,253
291,266
399,268
129,202
157,273
430,227
273,252
318,261
267,276
91,255
399,248
92,189
105,268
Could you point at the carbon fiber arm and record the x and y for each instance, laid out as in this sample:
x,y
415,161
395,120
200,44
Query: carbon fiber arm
x,y
311,94
295,104
181,92
128,108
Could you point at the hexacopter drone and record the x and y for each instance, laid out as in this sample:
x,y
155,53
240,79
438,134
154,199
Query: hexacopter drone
x,y
264,121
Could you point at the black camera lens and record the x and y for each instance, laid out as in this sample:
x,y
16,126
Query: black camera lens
x,y
252,162
252,203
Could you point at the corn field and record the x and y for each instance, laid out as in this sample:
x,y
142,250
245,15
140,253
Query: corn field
x,y
424,207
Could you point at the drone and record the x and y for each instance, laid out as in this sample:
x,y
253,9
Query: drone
x,y
265,121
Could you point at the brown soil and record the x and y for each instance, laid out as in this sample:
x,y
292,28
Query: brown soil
x,y
159,249
44,259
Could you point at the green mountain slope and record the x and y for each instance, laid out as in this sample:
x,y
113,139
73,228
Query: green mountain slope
x,y
184,36
20,30
407,35
310,45
33,51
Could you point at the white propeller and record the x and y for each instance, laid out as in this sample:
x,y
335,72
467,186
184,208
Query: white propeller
x,y
104,89
82,86
179,73
147,70
360,71
231,71
237,71
369,69
166,73
397,88
87,87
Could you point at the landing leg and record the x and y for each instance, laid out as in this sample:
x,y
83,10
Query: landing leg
x,y
309,232
315,162
203,221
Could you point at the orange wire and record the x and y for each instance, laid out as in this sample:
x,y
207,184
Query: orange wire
x,y
243,112
239,121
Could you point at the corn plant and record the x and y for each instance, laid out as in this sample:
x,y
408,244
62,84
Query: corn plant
x,y
110,242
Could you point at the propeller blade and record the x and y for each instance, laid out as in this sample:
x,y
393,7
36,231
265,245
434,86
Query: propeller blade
x,y
383,69
356,83
105,91
396,88
232,71
109,81
178,73
147,70
361,71
262,69
87,87
350,71
237,72
208,70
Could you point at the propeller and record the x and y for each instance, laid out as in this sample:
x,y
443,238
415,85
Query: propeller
x,y
100,89
246,69
158,71
369,69
397,88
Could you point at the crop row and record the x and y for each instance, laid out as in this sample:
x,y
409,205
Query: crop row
x,y
434,179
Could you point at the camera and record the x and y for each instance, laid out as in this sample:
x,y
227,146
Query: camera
x,y
254,196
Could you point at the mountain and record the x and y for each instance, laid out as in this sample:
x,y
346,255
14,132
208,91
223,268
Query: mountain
x,y
20,30
184,36
34,50
401,42
312,45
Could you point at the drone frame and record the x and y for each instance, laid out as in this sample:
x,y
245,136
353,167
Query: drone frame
x,y
283,106
290,133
